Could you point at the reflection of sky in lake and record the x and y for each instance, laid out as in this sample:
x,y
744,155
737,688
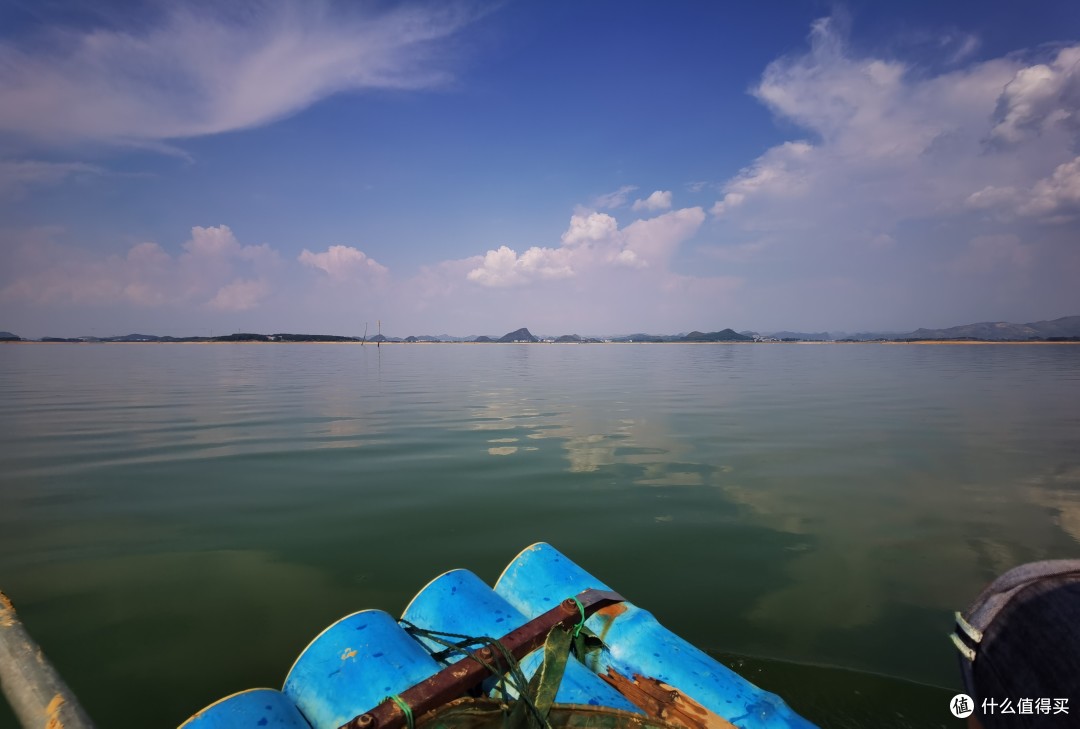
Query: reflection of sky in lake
x,y
590,438
905,489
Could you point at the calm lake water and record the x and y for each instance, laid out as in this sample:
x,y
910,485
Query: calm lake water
x,y
178,521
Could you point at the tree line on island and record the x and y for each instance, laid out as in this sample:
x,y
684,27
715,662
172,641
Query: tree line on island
x,y
1065,329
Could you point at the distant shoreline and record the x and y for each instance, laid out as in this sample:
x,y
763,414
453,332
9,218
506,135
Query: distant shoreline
x,y
971,341
390,343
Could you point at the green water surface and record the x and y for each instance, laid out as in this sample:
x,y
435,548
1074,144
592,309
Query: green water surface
x,y
178,521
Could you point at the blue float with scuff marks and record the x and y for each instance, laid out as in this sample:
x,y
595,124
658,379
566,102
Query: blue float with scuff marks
x,y
353,665
636,643
360,660
438,607
252,709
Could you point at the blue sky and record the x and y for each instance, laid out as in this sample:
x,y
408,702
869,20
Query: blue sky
x,y
598,168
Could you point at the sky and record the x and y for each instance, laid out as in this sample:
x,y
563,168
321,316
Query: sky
x,y
197,168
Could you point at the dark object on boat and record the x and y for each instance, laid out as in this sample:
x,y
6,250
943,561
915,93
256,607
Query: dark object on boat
x,y
1020,642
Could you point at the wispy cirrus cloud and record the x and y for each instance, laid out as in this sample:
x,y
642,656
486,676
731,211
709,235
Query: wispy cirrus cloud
x,y
615,199
207,68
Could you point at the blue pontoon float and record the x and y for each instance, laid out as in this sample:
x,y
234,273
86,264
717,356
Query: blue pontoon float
x,y
549,646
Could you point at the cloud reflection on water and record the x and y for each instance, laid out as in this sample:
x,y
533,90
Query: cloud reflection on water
x,y
591,440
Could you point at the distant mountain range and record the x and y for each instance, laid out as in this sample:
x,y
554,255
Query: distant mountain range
x,y
1065,328
996,331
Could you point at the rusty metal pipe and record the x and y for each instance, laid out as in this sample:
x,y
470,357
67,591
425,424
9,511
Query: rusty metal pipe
x,y
34,689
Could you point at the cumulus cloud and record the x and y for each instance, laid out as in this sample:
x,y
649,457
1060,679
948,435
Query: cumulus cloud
x,y
1040,98
592,241
213,269
343,263
206,68
905,176
590,227
890,143
1057,196
504,267
659,200
1053,199
654,240
212,242
783,171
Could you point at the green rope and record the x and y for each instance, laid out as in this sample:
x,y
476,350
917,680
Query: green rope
x,y
513,678
405,709
581,623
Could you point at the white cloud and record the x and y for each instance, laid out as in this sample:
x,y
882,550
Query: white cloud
x,y
589,228
659,200
654,240
1040,98
343,263
900,180
49,274
210,242
892,143
1057,196
504,267
785,171
729,201
615,199
592,241
209,68
990,198
965,48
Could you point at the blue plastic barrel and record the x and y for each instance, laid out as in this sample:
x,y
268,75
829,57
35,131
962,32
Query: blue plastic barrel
x,y
353,665
460,602
540,577
261,708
